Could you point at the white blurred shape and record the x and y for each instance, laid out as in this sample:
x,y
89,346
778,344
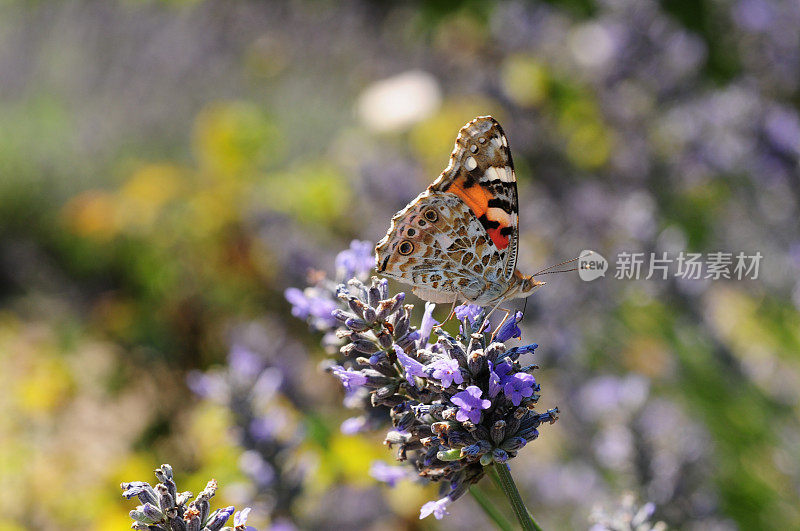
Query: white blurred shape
x,y
398,102
592,44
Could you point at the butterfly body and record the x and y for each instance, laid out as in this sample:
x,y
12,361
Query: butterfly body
x,y
458,239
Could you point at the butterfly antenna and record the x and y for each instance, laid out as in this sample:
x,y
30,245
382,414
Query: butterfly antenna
x,y
559,271
542,272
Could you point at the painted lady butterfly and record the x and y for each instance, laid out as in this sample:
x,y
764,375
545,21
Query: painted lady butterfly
x,y
458,239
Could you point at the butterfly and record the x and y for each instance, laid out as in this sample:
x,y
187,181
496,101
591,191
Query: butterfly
x,y
458,239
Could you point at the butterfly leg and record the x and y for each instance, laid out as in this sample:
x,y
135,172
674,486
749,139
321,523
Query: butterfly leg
x,y
449,316
502,322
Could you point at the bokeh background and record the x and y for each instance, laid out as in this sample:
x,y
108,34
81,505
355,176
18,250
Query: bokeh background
x,y
169,168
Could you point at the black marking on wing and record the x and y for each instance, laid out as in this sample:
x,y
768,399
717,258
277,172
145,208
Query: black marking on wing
x,y
500,203
489,224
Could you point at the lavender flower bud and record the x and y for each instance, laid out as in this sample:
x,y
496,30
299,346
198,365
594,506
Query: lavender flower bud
x,y
495,350
165,499
389,306
528,434
192,520
402,326
142,490
389,401
364,346
476,362
369,314
342,315
373,296
499,455
513,444
476,342
219,517
385,340
147,513
498,431
354,323
356,305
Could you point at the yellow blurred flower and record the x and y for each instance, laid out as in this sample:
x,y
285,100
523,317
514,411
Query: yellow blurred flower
x,y
316,194
524,80
232,138
142,197
92,214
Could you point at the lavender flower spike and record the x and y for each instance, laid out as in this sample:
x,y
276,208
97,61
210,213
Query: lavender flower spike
x,y
358,260
388,474
177,512
451,417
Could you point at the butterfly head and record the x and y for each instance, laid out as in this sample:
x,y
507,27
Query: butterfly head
x,y
523,286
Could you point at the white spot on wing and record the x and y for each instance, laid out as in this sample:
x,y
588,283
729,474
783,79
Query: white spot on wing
x,y
504,174
505,141
500,215
496,142
470,163
473,148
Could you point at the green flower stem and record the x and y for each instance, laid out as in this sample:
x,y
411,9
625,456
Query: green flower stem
x,y
510,490
490,509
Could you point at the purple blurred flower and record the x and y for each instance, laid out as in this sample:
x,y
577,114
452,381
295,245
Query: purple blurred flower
x,y
353,425
412,366
509,329
356,261
446,370
438,508
783,129
310,303
470,404
257,468
206,385
244,362
281,524
388,474
265,427
518,386
350,379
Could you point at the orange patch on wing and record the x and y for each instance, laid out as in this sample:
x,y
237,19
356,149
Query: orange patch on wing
x,y
500,240
476,197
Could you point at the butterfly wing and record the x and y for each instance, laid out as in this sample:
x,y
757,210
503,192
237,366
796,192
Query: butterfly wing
x,y
435,244
481,174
